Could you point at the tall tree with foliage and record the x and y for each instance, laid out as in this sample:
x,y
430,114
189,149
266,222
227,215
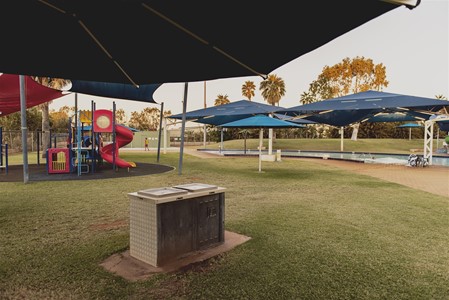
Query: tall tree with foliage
x,y
148,119
350,76
120,116
221,99
59,120
54,83
273,89
318,90
248,89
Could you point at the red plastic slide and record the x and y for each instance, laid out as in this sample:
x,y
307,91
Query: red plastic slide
x,y
123,136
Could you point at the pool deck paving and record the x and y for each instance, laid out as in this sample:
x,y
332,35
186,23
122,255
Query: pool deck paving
x,y
432,179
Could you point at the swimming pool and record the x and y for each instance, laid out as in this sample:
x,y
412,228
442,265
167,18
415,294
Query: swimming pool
x,y
365,157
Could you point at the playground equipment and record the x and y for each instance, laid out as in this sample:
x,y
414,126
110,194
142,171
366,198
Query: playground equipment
x,y
85,148
3,153
58,160
123,137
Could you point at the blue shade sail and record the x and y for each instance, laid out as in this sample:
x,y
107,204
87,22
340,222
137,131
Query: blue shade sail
x,y
261,121
216,115
143,93
343,111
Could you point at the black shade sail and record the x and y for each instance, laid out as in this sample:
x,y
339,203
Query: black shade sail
x,y
143,42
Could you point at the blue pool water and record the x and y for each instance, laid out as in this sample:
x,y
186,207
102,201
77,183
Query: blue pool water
x,y
385,158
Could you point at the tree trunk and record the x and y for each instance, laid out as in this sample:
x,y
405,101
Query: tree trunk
x,y
45,129
355,132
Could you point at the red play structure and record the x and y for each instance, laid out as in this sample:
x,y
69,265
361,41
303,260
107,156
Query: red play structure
x,y
58,160
123,137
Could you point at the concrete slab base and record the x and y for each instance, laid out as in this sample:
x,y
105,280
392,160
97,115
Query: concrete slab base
x,y
132,269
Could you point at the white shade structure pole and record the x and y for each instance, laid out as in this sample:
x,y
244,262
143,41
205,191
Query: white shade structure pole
x,y
341,138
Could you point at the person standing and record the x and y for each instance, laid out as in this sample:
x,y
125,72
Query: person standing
x,y
146,145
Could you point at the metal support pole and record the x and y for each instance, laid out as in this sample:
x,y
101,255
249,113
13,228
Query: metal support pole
x,y
114,147
165,135
1,146
204,127
76,118
428,141
92,135
38,147
221,140
6,158
23,122
160,132
260,149
183,127
78,148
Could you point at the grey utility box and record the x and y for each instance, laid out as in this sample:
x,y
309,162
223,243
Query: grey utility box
x,y
168,222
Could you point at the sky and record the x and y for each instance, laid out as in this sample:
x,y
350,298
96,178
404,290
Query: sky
x,y
413,45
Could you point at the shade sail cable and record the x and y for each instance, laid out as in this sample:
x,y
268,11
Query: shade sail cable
x,y
95,39
182,28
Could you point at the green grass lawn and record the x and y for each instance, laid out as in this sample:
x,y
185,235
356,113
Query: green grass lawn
x,y
361,145
316,233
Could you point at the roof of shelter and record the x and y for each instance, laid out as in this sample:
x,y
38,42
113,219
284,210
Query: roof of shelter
x,y
136,41
362,106
261,121
220,114
35,93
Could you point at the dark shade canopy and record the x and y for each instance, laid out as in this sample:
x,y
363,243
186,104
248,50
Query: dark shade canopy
x,y
143,93
343,111
442,121
233,111
147,41
261,121
291,119
399,117
10,93
38,94
410,125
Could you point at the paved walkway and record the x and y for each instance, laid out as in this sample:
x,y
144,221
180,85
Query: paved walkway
x,y
432,179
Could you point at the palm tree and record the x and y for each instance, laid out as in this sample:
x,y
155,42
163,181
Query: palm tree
x,y
54,83
248,89
221,99
273,88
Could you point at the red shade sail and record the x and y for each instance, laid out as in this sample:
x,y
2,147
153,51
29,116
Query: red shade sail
x,y
35,93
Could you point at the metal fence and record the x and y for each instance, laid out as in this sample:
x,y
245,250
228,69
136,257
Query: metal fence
x,y
34,140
